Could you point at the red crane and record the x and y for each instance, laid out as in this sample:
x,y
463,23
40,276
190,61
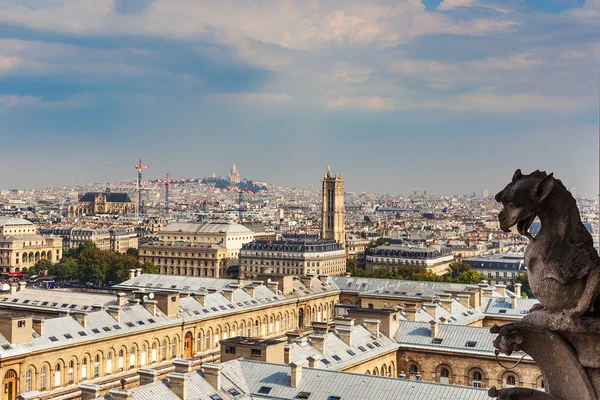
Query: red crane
x,y
140,166
167,182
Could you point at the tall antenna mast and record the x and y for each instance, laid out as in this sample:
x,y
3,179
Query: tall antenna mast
x,y
599,164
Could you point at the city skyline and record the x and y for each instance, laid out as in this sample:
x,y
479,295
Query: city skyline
x,y
448,96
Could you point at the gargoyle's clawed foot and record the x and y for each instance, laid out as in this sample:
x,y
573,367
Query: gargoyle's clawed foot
x,y
537,307
519,394
509,338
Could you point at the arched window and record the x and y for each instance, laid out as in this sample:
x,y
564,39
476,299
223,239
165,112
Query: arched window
x,y
57,377
43,378
109,363
511,381
84,369
132,357
413,370
174,348
70,372
368,372
97,366
477,378
199,342
164,350
28,381
153,353
444,376
121,360
143,356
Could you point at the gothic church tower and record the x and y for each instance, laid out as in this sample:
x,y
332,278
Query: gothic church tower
x,y
333,218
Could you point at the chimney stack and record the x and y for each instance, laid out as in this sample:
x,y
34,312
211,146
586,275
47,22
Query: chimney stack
x,y
463,299
324,279
115,312
410,311
178,384
151,306
501,289
345,334
240,281
273,287
228,293
138,271
120,394
81,317
147,375
434,328
14,287
89,391
431,309
38,325
513,301
22,285
318,342
131,273
182,366
296,374
287,354
212,374
250,290
121,299
201,298
372,326
518,289
313,361
447,304
97,307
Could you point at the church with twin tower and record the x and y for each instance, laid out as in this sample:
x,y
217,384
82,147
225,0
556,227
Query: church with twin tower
x,y
333,215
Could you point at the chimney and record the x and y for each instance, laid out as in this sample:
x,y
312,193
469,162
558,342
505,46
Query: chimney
x,y
345,334
250,290
306,280
228,294
410,311
121,299
318,342
178,383
201,298
120,394
212,290
38,325
258,283
463,299
182,366
324,279
287,354
14,287
518,289
89,391
301,341
443,320
147,375
273,287
151,306
434,328
482,286
320,328
513,301
97,307
138,271
22,285
488,291
240,281
313,361
212,374
295,374
115,312
131,273
372,326
431,309
81,317
343,321
134,302
266,270
501,289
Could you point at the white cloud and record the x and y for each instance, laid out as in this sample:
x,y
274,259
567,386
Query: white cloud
x,y
374,103
449,4
250,97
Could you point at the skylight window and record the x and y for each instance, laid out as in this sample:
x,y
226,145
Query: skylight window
x,y
325,361
82,333
361,348
216,397
334,398
265,390
303,395
117,327
151,320
106,329
53,339
369,345
503,311
351,352
471,343
68,336
96,330
130,324
376,344
437,340
336,357
234,392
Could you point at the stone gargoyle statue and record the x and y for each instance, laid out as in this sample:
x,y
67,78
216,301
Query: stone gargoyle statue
x,y
562,333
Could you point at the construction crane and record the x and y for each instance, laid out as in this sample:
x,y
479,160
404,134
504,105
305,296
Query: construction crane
x,y
140,166
167,182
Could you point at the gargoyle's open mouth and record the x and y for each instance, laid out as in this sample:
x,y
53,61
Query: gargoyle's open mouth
x,y
524,225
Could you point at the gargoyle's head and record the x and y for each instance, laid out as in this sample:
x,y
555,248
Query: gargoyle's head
x,y
521,198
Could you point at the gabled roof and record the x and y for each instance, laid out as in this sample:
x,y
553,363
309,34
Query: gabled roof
x,y
110,197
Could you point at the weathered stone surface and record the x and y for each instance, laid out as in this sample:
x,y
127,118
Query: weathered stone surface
x,y
563,334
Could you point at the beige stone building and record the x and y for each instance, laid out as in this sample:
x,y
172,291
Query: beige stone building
x,y
113,239
293,256
197,249
92,203
333,222
391,257
356,245
21,246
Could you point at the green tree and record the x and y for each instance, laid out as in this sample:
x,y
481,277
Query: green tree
x,y
43,265
132,252
457,268
148,267
471,277
74,253
94,265
119,266
66,268
523,279
426,276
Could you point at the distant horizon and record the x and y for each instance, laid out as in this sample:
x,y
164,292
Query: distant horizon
x,y
447,96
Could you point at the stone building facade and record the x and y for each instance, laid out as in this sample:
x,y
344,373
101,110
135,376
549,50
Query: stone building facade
x,y
21,246
333,213
295,257
393,256
92,203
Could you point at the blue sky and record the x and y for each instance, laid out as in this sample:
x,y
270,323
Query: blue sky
x,y
445,96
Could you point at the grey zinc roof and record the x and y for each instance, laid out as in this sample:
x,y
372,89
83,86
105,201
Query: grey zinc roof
x,y
349,386
454,338
503,306
205,227
8,221
36,297
174,282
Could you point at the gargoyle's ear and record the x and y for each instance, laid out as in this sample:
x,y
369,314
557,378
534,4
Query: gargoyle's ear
x,y
545,187
499,196
517,175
